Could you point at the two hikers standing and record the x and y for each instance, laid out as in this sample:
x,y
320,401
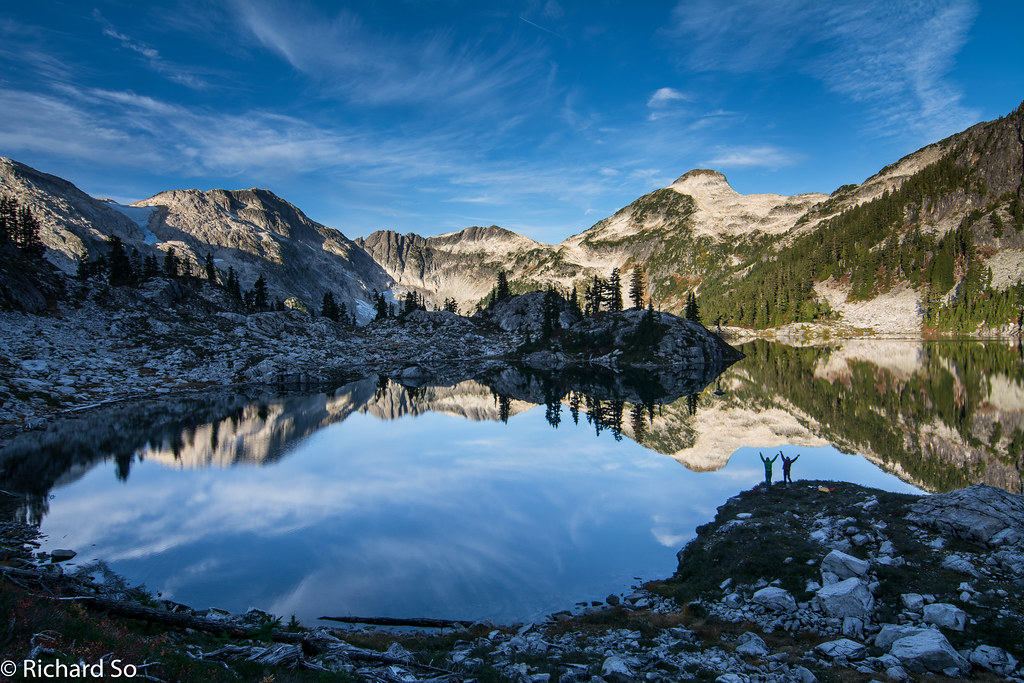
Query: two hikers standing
x,y
787,464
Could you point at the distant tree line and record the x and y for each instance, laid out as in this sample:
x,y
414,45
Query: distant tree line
x,y
871,248
19,227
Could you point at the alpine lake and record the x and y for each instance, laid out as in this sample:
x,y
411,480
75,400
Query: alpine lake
x,y
506,496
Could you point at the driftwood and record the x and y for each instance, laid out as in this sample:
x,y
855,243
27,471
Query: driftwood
x,y
397,621
302,643
133,610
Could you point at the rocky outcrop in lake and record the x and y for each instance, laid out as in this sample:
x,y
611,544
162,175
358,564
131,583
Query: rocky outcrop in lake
x,y
806,583
892,584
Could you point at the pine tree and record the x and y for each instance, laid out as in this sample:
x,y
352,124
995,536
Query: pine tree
x,y
150,268
233,286
638,287
170,263
27,233
549,321
259,294
613,291
410,303
692,311
210,268
84,271
380,304
574,302
596,295
119,268
8,218
502,291
329,308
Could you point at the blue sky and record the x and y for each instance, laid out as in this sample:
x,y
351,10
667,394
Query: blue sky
x,y
542,117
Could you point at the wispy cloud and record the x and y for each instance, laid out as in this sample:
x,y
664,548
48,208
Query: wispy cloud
x,y
896,57
742,36
750,157
172,72
901,63
664,97
350,60
541,28
103,127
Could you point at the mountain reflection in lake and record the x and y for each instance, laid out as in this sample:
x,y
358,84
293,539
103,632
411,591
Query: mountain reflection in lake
x,y
506,497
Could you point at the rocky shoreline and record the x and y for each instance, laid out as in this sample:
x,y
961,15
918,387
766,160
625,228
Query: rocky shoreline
x,y
107,344
812,582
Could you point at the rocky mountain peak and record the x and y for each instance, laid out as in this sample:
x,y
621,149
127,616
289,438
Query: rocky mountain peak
x,y
72,222
721,210
702,176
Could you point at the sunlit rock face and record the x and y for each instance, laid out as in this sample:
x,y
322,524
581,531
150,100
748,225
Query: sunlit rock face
x,y
72,222
720,210
256,232
252,231
462,265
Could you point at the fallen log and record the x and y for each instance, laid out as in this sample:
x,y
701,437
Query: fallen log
x,y
398,621
133,610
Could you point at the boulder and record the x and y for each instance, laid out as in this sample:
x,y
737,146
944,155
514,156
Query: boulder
x,y
61,555
897,673
929,651
1011,561
753,645
945,615
804,675
978,513
847,598
853,627
844,566
994,659
959,563
775,599
913,601
844,647
890,633
615,670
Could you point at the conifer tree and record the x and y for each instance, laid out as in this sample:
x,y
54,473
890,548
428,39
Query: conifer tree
x,y
233,286
549,321
171,264
210,268
329,308
119,268
149,267
613,291
409,304
502,291
692,311
380,304
574,302
8,218
638,287
26,236
595,295
84,271
259,294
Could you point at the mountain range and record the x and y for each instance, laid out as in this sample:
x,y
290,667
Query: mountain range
x,y
897,252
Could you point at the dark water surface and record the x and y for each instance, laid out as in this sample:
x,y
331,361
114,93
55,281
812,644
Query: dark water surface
x,y
506,497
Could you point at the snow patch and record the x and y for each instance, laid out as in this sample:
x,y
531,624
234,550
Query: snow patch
x,y
139,215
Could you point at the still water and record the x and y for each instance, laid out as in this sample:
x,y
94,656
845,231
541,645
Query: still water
x,y
504,497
